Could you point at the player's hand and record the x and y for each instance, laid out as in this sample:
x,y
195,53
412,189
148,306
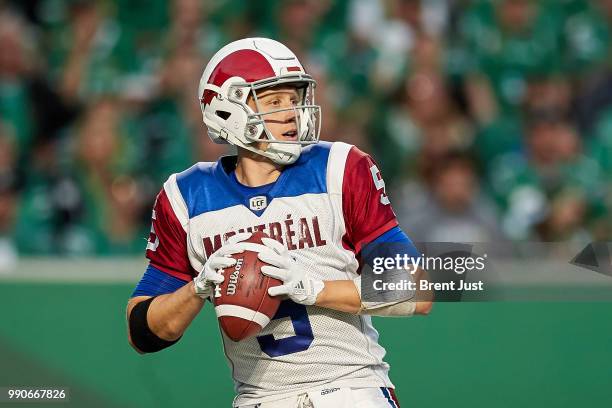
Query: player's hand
x,y
211,275
299,286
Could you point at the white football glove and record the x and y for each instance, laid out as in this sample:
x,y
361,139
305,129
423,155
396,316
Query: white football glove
x,y
299,286
211,275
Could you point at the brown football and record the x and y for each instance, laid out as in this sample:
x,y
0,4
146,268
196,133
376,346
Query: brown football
x,y
244,306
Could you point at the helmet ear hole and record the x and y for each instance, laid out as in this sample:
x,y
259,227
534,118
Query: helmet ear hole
x,y
223,114
251,130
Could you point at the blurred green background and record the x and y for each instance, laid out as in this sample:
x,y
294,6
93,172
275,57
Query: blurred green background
x,y
490,120
72,334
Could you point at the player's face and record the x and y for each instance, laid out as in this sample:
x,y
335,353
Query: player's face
x,y
282,125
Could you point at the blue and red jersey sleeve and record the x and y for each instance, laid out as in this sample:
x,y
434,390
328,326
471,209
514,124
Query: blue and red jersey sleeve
x,y
167,246
367,211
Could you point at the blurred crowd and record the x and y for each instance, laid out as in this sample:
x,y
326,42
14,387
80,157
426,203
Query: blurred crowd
x,y
490,119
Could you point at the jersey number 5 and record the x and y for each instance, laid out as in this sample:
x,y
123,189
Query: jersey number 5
x,y
289,345
153,241
380,184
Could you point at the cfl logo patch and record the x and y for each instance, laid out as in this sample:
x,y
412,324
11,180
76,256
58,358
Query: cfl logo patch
x,y
258,203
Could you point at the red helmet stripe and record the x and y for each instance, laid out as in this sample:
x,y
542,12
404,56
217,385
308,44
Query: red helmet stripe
x,y
247,64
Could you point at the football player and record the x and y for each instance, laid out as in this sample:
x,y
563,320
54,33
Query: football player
x,y
320,203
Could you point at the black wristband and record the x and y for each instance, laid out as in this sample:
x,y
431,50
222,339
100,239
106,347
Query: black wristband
x,y
142,336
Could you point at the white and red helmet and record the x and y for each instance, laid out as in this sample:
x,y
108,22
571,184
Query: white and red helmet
x,y
243,68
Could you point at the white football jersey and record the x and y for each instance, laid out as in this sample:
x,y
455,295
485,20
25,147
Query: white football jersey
x,y
323,209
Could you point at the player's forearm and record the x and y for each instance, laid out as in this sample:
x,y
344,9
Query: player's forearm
x,y
170,315
424,297
340,295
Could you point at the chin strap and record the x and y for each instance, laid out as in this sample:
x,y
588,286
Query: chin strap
x,y
283,154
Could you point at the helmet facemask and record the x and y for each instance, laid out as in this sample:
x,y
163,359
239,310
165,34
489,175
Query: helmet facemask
x,y
307,117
